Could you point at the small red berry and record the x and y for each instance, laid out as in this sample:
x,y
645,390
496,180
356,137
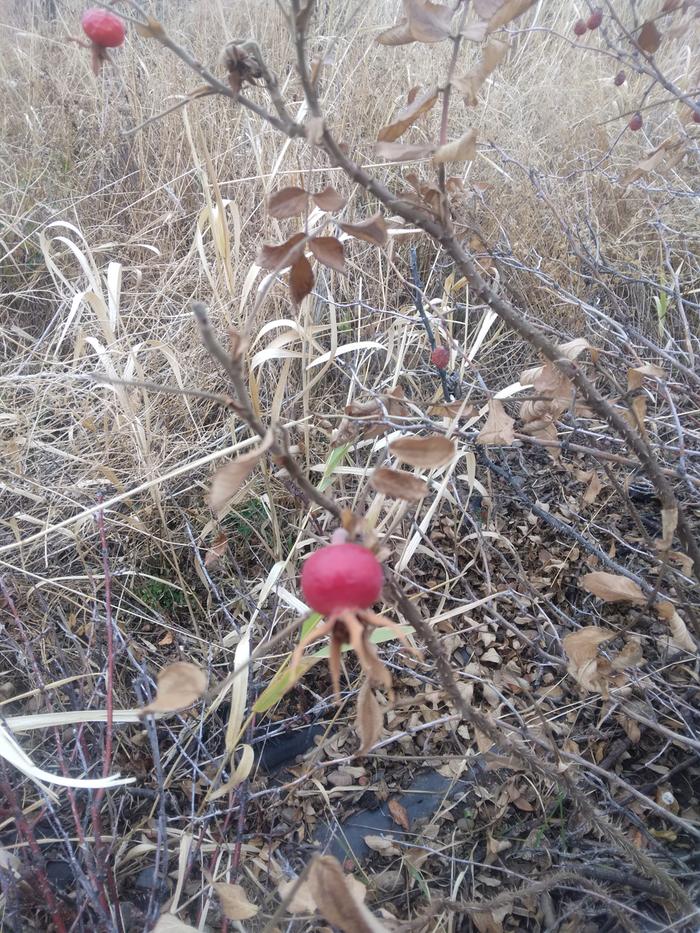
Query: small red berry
x,y
341,576
440,357
620,78
103,28
696,115
595,19
580,27
636,122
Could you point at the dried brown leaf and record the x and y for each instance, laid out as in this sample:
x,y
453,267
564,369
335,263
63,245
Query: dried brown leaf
x,y
399,814
329,199
427,22
369,719
426,452
637,374
229,478
336,900
459,150
581,649
612,588
302,901
234,902
649,38
169,923
498,427
287,202
398,484
276,256
372,230
179,685
574,348
669,521
329,250
594,487
408,115
680,636
475,32
400,152
217,549
301,280
509,11
399,34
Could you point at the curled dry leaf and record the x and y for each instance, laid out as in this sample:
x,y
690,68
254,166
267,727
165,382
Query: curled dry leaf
x,y
398,484
329,199
230,477
459,150
401,152
592,673
649,38
498,427
427,452
637,374
669,521
302,901
574,348
369,720
507,12
680,636
276,256
169,923
372,230
216,551
179,685
234,902
427,22
398,34
408,115
670,151
595,485
329,250
301,280
287,202
612,588
336,899
470,83
399,814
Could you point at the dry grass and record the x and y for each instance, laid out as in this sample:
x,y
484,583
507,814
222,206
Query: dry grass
x,y
108,232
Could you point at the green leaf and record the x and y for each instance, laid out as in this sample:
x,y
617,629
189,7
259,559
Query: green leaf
x,y
282,683
336,458
378,637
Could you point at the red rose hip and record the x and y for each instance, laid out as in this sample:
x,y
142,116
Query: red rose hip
x,y
341,576
580,28
440,357
595,19
636,122
103,28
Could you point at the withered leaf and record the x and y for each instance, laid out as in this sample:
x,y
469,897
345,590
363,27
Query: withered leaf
x,y
475,32
302,901
329,250
408,115
398,484
179,685
672,147
369,719
399,152
680,636
459,150
612,587
276,256
229,478
581,648
508,11
336,900
574,348
234,902
216,550
428,452
399,814
301,279
669,521
593,488
399,34
329,199
637,374
427,22
372,230
169,923
649,38
498,427
151,29
287,202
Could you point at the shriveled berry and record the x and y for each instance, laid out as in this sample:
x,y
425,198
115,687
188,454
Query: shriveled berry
x,y
696,115
620,78
595,19
580,27
636,122
341,576
440,357
103,28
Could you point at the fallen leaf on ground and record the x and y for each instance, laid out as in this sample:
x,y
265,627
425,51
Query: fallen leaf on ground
x,y
234,902
612,587
179,685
